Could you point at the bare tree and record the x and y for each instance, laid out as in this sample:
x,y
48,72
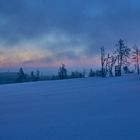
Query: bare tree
x,y
103,62
37,75
76,74
123,53
62,73
32,75
110,62
21,76
91,73
136,57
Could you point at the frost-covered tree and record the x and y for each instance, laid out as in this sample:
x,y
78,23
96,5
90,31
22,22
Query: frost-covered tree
x,y
136,57
32,75
126,69
103,62
76,74
37,76
21,76
91,73
123,53
110,62
62,72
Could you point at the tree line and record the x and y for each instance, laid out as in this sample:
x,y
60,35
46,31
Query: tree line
x,y
112,64
23,77
120,59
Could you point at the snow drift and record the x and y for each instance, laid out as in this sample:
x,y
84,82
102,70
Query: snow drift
x,y
79,109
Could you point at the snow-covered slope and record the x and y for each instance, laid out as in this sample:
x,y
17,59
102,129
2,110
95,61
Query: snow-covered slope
x,y
79,109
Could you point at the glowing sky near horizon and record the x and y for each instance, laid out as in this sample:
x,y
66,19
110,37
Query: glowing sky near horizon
x,y
47,33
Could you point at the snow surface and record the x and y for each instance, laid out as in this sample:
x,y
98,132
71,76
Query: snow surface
x,y
78,109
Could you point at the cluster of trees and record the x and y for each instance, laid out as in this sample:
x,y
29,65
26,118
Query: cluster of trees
x,y
63,74
111,64
22,77
119,60
35,76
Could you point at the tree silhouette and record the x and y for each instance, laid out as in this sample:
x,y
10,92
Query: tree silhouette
x,y
123,53
91,73
32,75
21,76
37,75
136,57
110,62
103,62
62,72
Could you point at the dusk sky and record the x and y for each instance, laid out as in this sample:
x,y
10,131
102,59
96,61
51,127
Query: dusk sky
x,y
47,33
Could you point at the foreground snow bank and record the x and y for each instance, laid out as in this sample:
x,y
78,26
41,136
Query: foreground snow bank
x,y
80,109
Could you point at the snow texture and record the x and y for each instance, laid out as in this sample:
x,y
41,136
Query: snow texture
x,y
77,109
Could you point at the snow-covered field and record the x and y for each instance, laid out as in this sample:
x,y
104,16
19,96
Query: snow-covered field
x,y
78,109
